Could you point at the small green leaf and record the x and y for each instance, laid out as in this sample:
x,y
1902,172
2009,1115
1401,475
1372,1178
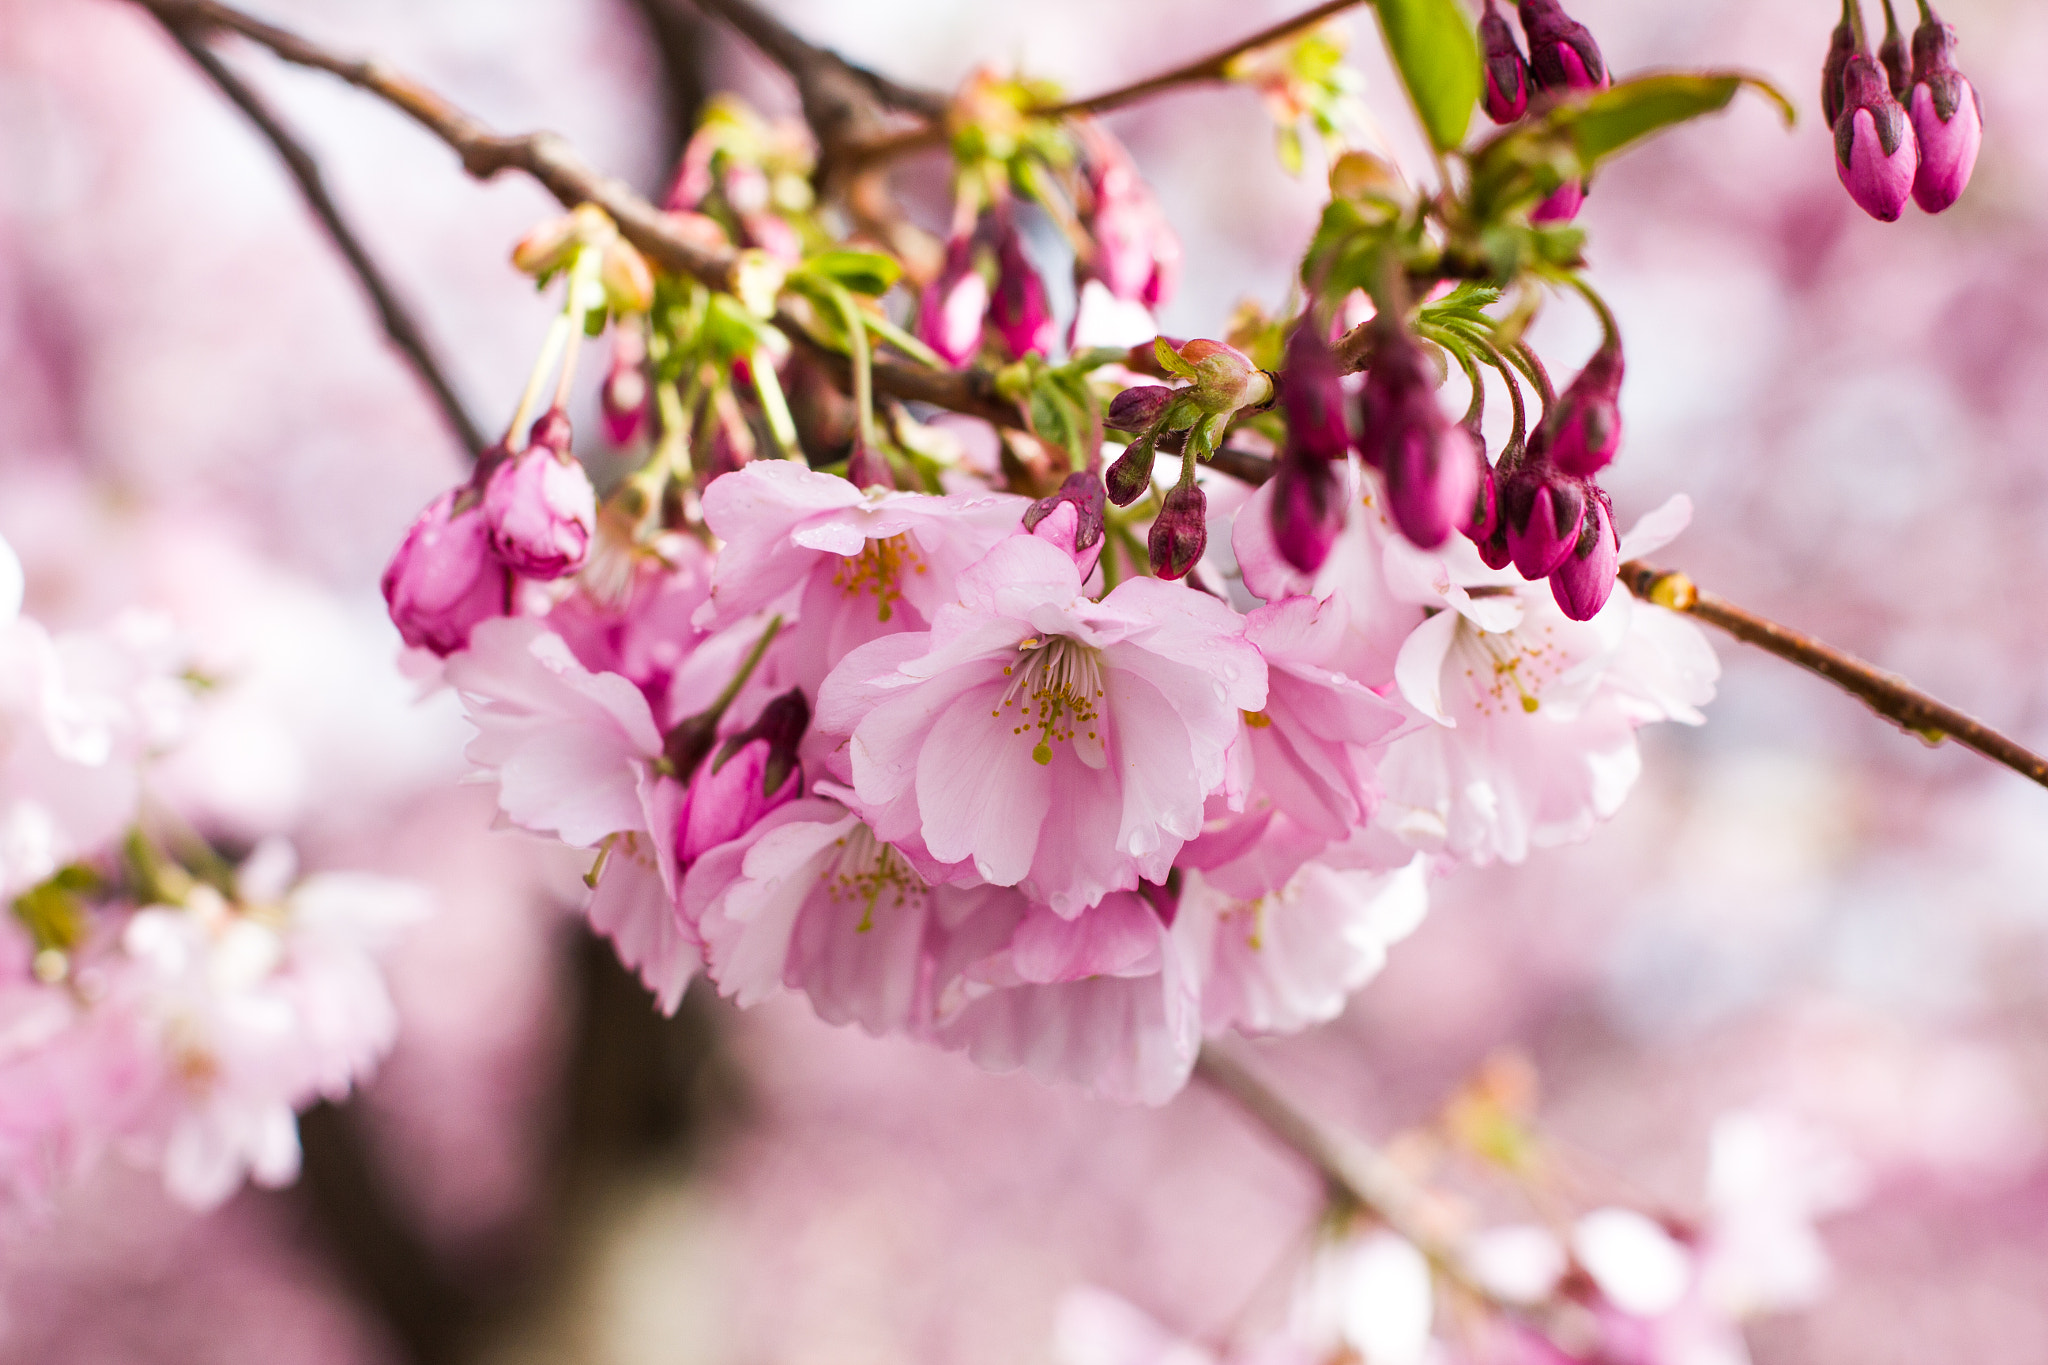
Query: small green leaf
x,y
1437,55
1169,359
864,272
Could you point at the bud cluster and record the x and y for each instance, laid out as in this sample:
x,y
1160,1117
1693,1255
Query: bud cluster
x,y
1563,59
1901,131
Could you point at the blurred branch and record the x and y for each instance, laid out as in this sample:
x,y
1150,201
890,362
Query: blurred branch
x,y
678,41
1354,1172
399,324
1888,695
551,161
825,80
1213,67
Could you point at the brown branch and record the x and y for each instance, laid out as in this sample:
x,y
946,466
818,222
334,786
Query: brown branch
x,y
1210,68
1890,696
1354,1173
399,324
819,71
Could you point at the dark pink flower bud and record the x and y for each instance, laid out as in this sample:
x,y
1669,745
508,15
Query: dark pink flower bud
x,y
1131,474
1844,43
1137,254
1493,548
1428,461
1891,55
1542,511
1309,507
728,452
539,506
1948,119
1019,310
1083,492
1507,71
1876,154
1181,532
1138,408
1584,580
954,305
624,395
1585,426
1484,520
755,772
444,578
867,467
1563,205
1309,504
1562,53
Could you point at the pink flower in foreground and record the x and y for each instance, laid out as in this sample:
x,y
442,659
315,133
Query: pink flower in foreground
x,y
842,565
444,578
1037,738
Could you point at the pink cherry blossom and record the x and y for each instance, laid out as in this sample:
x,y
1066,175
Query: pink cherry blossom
x,y
1039,739
444,578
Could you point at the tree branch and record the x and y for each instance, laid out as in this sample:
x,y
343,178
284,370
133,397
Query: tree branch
x,y
1890,696
817,70
399,323
1354,1172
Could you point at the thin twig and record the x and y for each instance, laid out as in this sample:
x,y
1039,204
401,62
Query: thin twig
x,y
1210,68
1213,67
1890,696
399,324
1353,1171
809,64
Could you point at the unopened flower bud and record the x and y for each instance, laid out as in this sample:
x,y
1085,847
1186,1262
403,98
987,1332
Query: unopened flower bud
x,y
1948,119
1876,153
1562,53
1844,43
731,447
624,395
780,728
444,579
1891,55
1563,205
539,506
1542,511
1224,377
867,467
1138,408
628,283
1181,532
1127,479
1137,254
1584,580
1019,309
1483,523
1309,507
1309,504
1506,70
954,305
1427,461
1585,425
1082,491
550,246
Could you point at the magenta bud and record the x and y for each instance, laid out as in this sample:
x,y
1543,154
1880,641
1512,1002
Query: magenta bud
x,y
539,506
1137,254
625,392
781,727
1428,462
1019,310
1563,205
1138,408
1505,69
1181,532
951,311
1585,426
1948,119
1308,510
1584,580
1493,549
725,455
1876,154
755,772
444,579
1083,491
866,467
1484,521
1844,43
1128,478
1562,53
1312,396
1542,512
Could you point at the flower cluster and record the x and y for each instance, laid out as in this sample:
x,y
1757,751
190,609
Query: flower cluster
x,y
1563,59
1902,129
154,999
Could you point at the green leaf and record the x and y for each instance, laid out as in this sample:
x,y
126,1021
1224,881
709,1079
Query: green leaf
x,y
1622,114
1437,55
864,272
1169,359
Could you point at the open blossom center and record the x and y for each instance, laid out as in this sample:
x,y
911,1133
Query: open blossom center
x,y
1509,670
868,872
1056,689
878,569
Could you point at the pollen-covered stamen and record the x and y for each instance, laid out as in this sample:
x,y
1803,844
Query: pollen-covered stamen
x,y
1056,689
1511,668
879,569
873,874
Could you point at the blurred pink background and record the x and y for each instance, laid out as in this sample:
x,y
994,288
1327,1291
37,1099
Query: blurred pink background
x,y
1801,910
